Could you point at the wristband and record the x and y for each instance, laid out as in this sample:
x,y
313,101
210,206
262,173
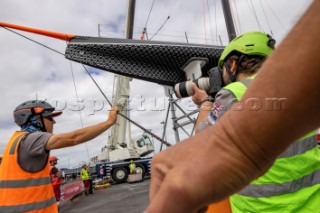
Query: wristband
x,y
210,99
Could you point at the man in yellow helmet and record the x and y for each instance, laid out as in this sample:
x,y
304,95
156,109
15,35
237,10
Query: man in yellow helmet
x,y
244,144
289,178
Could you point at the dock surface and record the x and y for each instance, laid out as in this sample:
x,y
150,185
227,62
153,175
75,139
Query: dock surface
x,y
119,198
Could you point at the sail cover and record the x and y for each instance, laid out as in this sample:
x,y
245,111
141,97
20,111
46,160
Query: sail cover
x,y
158,62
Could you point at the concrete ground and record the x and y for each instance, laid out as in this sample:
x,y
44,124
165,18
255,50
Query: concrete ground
x,y
119,198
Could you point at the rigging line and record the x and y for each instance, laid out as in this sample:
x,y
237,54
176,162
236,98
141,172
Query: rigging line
x,y
144,32
145,26
138,125
133,122
235,20
238,17
76,91
185,33
204,22
266,17
276,15
153,29
160,28
210,22
33,41
215,19
254,14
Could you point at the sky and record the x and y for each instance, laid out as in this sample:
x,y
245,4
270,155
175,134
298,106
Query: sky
x,y
31,71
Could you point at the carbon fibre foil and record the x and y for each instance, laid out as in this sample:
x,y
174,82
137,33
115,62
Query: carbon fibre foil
x,y
158,62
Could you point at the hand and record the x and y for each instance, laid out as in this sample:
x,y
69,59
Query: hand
x,y
198,94
113,114
198,171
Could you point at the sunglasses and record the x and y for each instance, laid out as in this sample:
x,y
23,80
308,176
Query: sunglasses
x,y
49,118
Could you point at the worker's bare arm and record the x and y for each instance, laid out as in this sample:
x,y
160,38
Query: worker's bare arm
x,y
59,174
58,141
205,107
244,142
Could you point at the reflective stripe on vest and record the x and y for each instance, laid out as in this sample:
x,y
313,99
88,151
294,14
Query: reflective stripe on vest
x,y
268,190
29,207
24,183
291,184
22,191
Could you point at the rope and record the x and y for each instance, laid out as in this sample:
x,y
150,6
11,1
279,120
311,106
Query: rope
x,y
266,17
34,41
210,22
160,28
254,14
149,14
204,22
80,115
215,19
144,32
275,15
238,18
235,20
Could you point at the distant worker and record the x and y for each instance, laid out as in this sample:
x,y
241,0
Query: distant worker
x,y
25,171
85,179
132,167
56,176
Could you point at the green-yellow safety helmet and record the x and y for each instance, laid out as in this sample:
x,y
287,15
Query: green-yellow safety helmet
x,y
251,43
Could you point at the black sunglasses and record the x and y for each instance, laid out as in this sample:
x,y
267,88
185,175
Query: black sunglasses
x,y
49,118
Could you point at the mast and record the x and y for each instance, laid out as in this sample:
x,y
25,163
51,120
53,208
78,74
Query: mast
x,y
228,19
130,19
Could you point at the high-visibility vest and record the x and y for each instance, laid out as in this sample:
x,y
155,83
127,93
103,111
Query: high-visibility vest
x,y
132,167
84,174
22,191
292,184
56,181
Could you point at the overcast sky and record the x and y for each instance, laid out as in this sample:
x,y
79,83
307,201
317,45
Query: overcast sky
x,y
30,71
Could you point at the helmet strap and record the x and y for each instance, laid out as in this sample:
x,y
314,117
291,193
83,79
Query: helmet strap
x,y
232,76
240,60
43,127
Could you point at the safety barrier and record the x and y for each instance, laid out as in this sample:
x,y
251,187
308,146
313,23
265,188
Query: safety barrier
x,y
70,190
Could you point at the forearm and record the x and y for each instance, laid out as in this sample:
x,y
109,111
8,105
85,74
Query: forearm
x,y
77,137
59,174
205,109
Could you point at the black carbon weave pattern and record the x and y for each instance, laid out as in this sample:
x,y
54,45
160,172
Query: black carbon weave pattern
x,y
158,62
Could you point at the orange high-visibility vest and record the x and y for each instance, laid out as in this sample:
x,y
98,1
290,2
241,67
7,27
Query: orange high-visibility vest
x,y
22,191
220,207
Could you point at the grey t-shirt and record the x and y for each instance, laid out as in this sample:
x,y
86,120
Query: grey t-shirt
x,y
223,102
32,155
